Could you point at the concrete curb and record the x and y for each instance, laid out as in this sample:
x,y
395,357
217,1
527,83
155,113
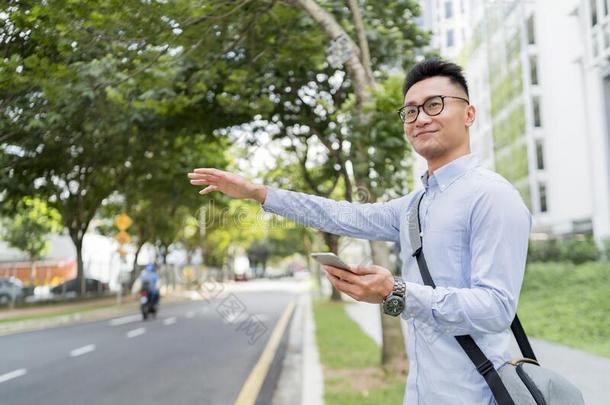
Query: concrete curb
x,y
301,380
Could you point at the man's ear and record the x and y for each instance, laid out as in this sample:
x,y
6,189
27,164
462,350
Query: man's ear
x,y
471,113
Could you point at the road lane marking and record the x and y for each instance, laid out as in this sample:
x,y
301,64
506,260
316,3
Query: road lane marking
x,y
82,350
169,321
13,374
252,386
124,320
190,314
135,332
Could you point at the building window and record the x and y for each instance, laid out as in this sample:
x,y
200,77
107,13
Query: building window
x,y
539,155
533,69
531,39
448,9
449,38
593,4
536,107
605,2
542,194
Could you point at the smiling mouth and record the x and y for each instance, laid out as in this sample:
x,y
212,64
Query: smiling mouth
x,y
424,133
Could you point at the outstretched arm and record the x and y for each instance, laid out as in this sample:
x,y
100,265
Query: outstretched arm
x,y
378,221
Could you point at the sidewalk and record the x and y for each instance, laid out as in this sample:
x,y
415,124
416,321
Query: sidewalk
x,y
587,371
301,380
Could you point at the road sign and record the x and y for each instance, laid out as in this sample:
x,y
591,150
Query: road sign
x,y
123,222
123,237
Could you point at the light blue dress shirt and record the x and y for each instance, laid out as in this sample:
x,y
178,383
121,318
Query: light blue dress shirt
x,y
475,231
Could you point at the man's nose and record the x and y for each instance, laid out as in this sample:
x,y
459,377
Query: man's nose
x,y
422,118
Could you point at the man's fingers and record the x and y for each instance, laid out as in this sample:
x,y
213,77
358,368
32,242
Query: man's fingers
x,y
202,182
342,285
208,170
342,274
198,176
363,269
208,189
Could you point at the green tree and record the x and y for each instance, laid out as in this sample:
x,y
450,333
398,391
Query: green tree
x,y
28,227
291,43
88,91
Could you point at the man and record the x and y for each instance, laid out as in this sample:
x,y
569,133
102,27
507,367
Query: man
x,y
475,231
150,281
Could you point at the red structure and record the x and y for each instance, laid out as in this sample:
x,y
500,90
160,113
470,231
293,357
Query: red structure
x,y
42,273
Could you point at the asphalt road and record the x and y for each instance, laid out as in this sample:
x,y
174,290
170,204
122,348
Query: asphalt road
x,y
197,352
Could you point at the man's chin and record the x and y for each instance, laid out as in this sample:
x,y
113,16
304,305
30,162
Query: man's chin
x,y
428,153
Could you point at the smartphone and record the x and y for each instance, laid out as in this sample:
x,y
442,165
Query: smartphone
x,y
330,259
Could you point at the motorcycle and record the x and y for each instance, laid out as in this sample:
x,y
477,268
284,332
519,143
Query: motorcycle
x,y
148,302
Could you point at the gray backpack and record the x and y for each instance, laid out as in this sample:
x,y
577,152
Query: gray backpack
x,y
521,382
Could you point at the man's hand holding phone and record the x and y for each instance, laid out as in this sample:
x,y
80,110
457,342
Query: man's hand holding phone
x,y
363,283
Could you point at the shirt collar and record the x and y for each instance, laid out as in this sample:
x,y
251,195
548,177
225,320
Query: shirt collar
x,y
444,176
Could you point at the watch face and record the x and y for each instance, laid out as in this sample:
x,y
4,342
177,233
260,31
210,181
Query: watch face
x,y
394,305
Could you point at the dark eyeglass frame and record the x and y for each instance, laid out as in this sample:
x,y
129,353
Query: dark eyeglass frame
x,y
420,107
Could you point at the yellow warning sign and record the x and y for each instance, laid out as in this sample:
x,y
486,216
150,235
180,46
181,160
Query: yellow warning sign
x,y
123,237
123,222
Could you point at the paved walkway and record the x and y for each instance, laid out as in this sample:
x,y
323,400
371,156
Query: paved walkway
x,y
301,380
588,372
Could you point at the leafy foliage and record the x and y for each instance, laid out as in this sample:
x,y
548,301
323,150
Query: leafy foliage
x,y
27,229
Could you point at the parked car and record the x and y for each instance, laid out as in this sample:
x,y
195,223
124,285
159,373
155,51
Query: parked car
x,y
11,290
69,287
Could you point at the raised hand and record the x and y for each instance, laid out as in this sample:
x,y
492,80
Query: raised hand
x,y
228,183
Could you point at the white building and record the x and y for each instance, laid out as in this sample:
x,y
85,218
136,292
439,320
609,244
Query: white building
x,y
539,76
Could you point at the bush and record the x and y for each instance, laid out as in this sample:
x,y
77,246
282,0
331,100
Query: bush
x,y
579,251
543,251
606,248
575,250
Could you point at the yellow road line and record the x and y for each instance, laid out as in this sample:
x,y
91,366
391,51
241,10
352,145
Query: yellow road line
x,y
249,392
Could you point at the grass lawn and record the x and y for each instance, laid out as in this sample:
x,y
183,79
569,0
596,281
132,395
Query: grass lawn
x,y
350,360
568,304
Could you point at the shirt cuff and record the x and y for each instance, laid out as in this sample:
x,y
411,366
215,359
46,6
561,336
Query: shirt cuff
x,y
418,302
272,200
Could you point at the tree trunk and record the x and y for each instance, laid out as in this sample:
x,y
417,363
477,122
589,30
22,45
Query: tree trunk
x,y
134,265
393,354
363,43
363,82
80,268
32,271
333,30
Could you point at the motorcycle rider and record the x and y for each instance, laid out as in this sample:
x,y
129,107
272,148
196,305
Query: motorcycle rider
x,y
150,281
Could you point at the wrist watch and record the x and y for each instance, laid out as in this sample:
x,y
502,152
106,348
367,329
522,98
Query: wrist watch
x,y
394,303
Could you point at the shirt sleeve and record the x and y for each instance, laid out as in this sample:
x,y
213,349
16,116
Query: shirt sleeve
x,y
376,221
499,231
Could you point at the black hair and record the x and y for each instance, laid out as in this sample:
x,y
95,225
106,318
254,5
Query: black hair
x,y
435,67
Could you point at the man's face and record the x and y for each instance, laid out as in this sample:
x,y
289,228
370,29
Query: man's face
x,y
434,137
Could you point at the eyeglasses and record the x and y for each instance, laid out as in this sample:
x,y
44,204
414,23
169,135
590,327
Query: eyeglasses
x,y
432,106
